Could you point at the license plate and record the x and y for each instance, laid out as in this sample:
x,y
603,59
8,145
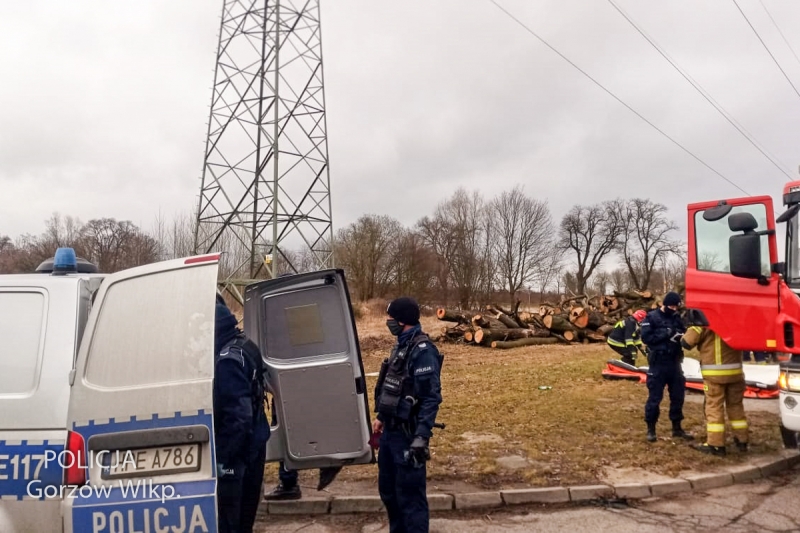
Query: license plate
x,y
151,461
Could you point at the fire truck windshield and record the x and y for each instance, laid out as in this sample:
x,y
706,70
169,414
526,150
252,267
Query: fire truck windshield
x,y
792,253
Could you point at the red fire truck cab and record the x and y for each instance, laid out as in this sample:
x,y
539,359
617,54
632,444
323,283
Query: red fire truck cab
x,y
748,297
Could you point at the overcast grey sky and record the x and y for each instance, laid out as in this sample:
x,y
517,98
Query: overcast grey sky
x,y
103,104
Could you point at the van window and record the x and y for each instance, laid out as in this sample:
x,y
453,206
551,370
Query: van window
x,y
141,331
22,316
711,239
305,323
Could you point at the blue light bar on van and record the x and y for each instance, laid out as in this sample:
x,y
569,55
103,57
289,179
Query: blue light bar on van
x,y
65,261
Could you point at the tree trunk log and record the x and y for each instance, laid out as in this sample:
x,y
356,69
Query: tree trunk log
x,y
483,321
579,317
486,336
558,323
546,310
594,336
605,329
634,295
526,318
452,316
596,320
500,345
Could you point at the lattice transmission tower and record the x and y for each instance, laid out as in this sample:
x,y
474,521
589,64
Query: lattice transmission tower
x,y
265,192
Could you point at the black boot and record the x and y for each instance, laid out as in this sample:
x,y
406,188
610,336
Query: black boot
x,y
284,493
678,432
713,450
741,445
651,432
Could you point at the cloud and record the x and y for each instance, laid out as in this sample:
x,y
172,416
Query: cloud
x,y
105,106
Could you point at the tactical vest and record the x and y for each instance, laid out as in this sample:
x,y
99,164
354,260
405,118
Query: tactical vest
x,y
394,392
258,376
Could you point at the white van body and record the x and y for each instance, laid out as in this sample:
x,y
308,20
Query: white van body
x,y
42,318
123,372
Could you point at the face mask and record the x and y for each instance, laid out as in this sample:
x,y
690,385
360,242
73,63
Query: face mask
x,y
394,328
668,311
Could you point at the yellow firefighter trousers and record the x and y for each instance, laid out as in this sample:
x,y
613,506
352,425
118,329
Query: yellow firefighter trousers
x,y
721,397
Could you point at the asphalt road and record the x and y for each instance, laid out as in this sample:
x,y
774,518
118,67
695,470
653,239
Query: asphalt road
x,y
766,505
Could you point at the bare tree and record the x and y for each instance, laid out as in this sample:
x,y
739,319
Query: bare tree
x,y
457,232
116,245
674,269
364,249
600,282
569,282
646,238
438,238
414,267
590,233
620,280
524,233
551,266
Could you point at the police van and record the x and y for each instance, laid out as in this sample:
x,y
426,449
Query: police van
x,y
106,414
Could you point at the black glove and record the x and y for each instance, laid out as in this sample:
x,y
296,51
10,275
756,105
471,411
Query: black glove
x,y
418,452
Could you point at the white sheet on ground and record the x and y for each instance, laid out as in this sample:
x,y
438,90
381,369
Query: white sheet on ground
x,y
765,375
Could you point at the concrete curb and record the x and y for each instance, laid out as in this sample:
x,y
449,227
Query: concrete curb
x,y
760,468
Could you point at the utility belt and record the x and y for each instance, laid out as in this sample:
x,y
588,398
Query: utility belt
x,y
663,357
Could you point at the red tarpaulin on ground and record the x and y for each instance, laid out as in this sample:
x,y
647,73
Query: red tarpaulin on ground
x,y
767,389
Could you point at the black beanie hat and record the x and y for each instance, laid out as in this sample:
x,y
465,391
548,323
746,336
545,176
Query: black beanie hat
x,y
672,298
404,310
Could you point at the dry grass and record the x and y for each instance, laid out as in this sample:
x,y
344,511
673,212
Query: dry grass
x,y
493,408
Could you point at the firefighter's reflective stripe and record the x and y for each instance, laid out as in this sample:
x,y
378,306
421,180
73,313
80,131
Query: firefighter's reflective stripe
x,y
717,350
732,369
615,343
739,424
715,428
697,329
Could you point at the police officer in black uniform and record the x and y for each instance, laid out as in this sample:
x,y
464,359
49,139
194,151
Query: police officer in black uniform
x,y
241,429
407,398
662,331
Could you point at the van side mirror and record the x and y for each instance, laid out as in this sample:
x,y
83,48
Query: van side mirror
x,y
744,249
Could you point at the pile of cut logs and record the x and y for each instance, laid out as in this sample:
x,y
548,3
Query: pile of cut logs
x,y
577,319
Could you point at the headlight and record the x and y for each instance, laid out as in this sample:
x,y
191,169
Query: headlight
x,y
789,381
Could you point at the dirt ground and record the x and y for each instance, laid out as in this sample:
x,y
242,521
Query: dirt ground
x,y
504,432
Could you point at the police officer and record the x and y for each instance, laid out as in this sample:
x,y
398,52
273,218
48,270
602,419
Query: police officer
x,y
624,338
241,429
407,398
723,379
662,330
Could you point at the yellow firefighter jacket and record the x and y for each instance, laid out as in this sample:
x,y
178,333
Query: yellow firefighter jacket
x,y
719,363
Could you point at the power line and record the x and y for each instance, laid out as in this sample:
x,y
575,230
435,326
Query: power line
x,y
767,48
779,31
699,89
614,96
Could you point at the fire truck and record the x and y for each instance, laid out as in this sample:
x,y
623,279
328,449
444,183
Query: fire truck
x,y
743,292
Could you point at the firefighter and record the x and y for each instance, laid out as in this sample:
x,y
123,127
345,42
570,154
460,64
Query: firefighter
x,y
624,338
407,398
662,330
724,385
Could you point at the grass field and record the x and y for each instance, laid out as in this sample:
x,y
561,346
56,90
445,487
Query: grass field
x,y
571,433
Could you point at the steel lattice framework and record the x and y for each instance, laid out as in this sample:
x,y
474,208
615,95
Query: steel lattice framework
x,y
265,191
